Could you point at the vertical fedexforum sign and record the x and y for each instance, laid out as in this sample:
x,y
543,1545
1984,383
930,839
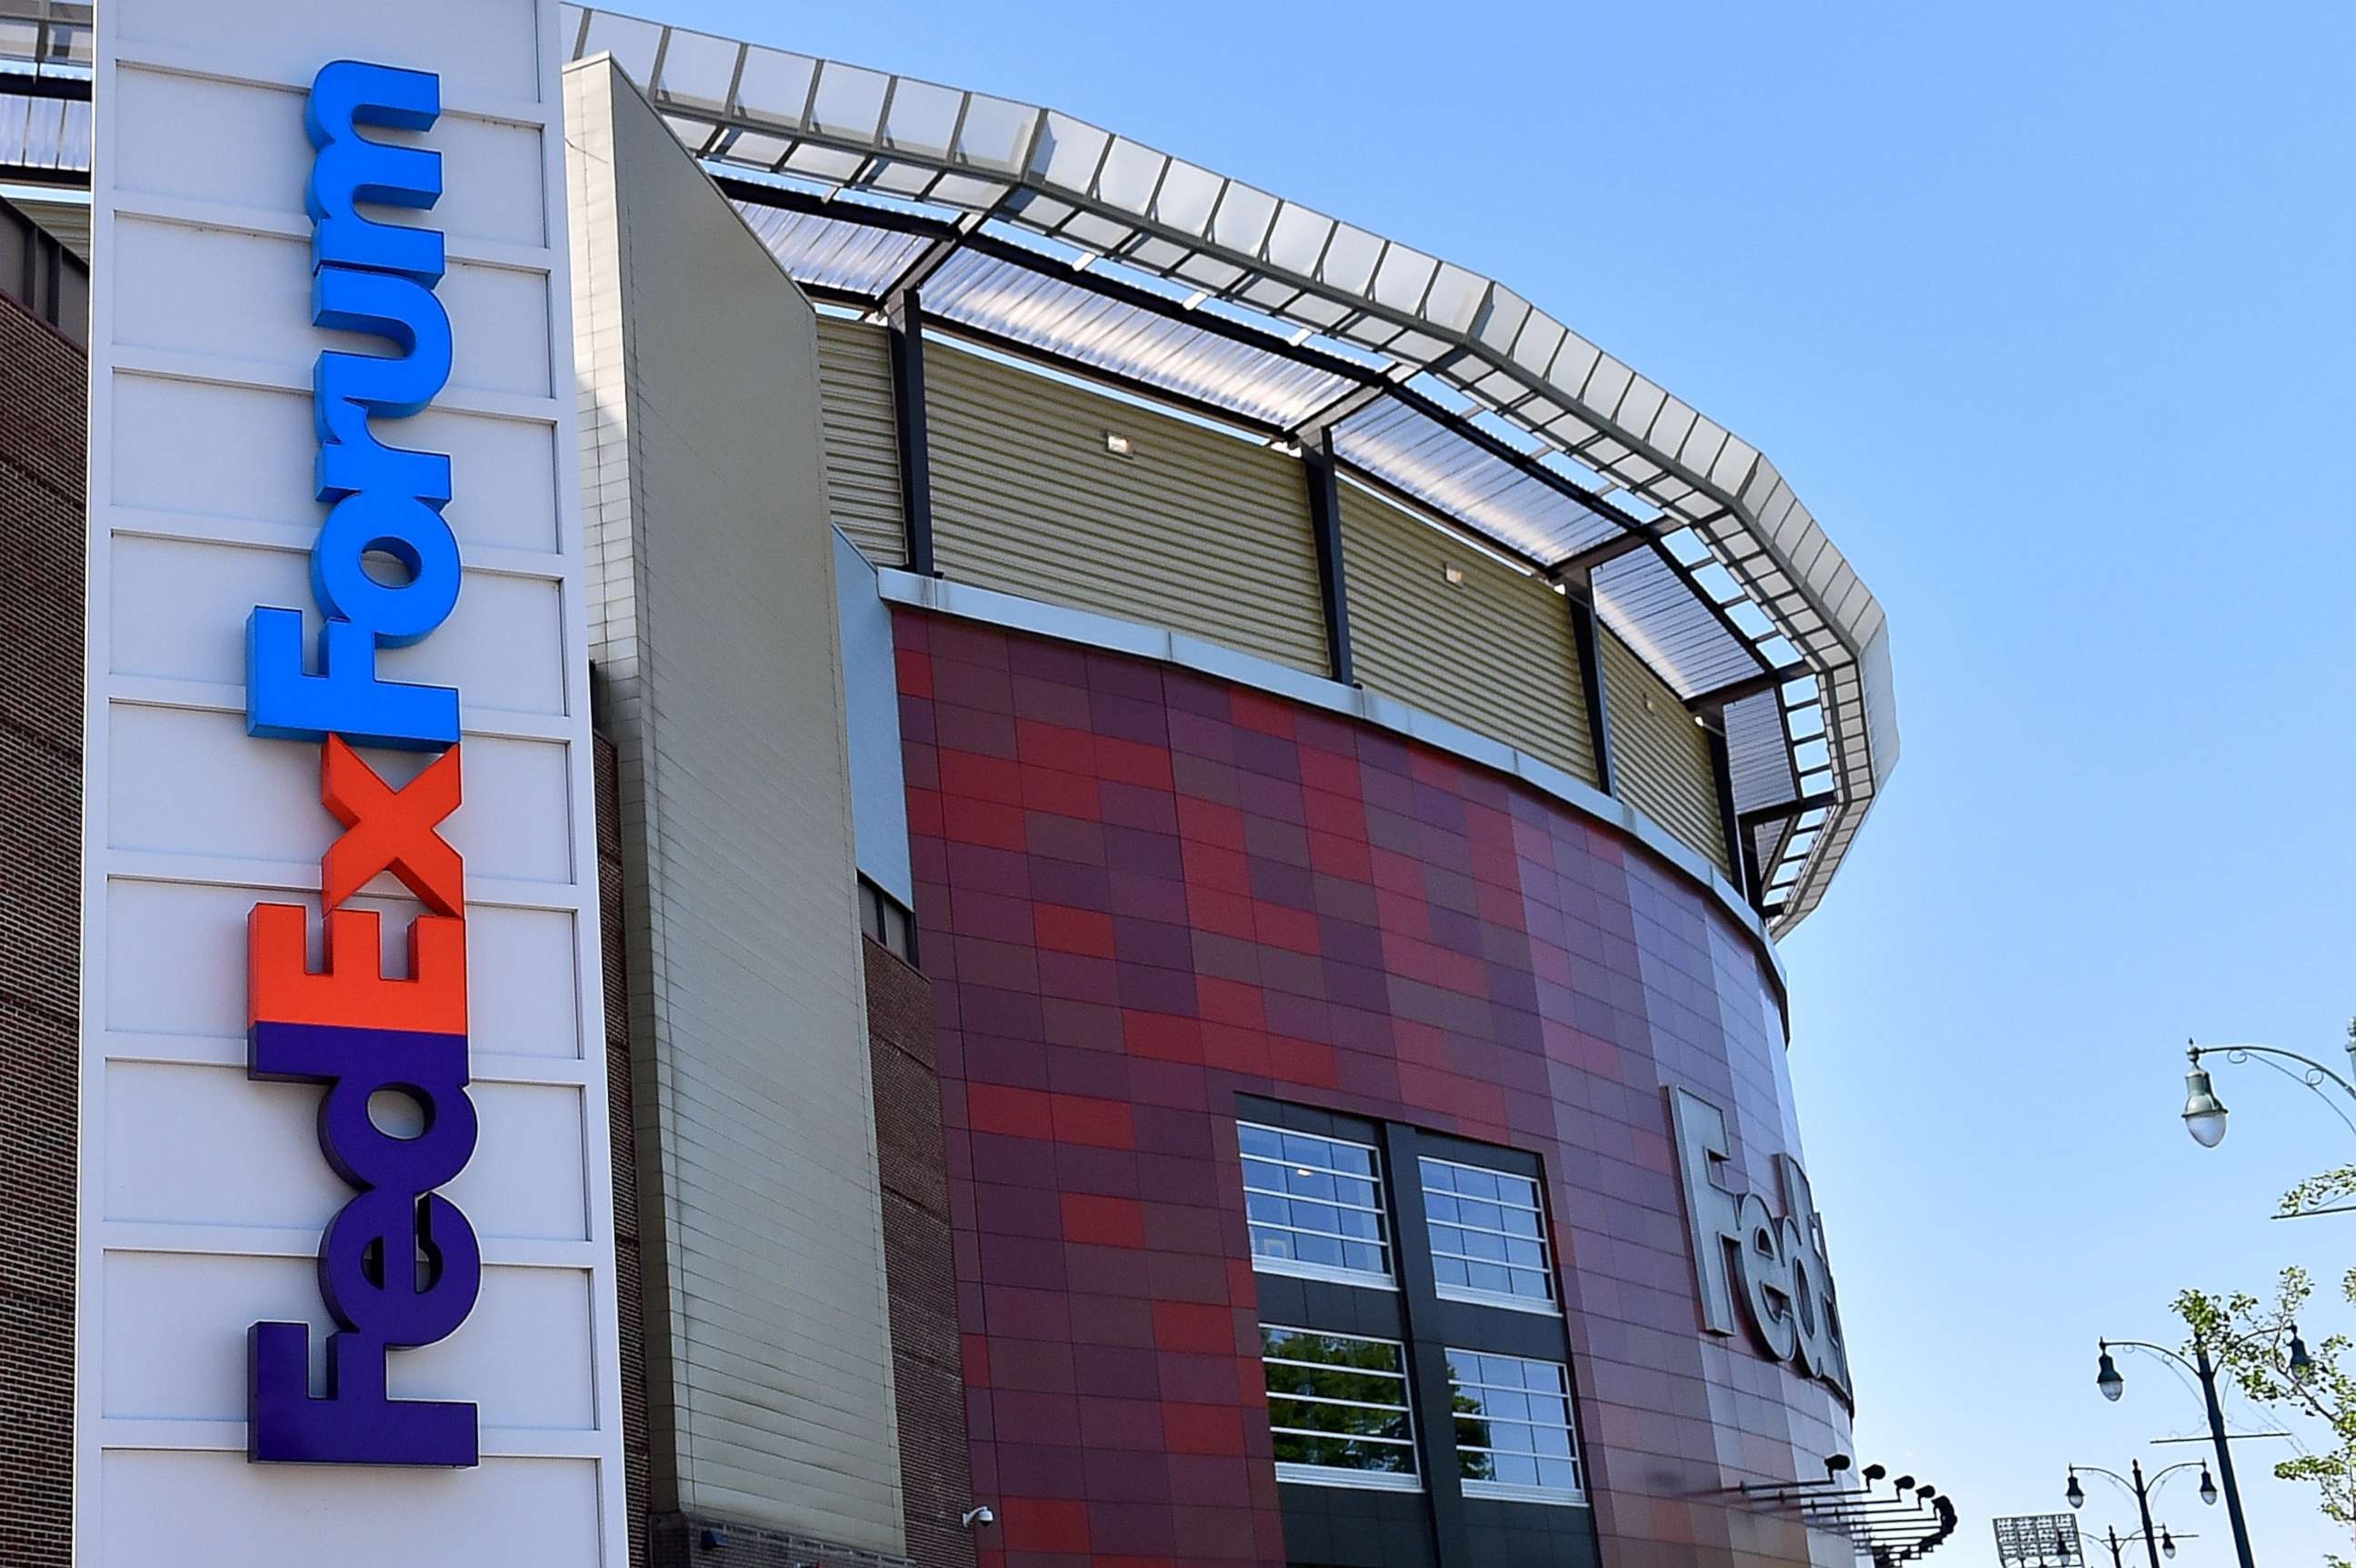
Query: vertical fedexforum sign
x,y
345,1277
399,1265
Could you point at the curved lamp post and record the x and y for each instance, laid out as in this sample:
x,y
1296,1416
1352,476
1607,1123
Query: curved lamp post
x,y
2156,1540
2113,1385
2205,1114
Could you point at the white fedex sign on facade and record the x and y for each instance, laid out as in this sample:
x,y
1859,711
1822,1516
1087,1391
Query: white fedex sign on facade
x,y
346,1273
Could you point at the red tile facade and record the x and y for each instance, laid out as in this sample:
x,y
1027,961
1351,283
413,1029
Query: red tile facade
x,y
1141,891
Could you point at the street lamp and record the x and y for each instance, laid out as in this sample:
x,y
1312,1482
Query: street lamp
x,y
2113,1385
2204,1113
2158,1542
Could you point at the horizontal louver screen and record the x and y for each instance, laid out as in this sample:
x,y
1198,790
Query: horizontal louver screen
x,y
1192,529
1493,653
1663,755
862,454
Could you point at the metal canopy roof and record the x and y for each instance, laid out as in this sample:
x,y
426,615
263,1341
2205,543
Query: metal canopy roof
x,y
1045,236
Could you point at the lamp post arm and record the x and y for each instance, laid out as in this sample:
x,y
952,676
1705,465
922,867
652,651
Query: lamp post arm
x,y
2113,1475
2315,1070
2175,1357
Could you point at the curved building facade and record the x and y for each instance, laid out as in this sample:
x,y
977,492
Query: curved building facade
x,y
1116,888
1166,912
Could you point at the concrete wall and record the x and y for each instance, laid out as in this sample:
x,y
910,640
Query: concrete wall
x,y
768,1352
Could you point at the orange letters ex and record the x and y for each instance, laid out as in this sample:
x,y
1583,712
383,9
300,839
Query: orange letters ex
x,y
384,830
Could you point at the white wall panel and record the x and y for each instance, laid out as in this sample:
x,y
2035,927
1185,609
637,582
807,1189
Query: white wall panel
x,y
187,1508
190,594
169,122
247,1167
162,1365
192,979
212,450
256,290
488,55
203,1193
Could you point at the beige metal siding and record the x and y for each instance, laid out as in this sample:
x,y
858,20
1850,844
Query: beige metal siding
x,y
1494,652
712,627
862,451
1663,755
1195,531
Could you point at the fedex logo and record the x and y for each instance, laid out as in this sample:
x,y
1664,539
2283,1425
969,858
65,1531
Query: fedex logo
x,y
399,1265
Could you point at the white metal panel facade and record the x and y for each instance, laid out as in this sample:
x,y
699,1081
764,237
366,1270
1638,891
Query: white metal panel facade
x,y
769,1356
203,1195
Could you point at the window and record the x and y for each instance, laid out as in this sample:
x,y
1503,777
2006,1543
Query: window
x,y
1488,1236
1337,1405
1316,1206
1513,1428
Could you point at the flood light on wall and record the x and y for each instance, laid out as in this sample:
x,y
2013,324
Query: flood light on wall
x,y
1117,444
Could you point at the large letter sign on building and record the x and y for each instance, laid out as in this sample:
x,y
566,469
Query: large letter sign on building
x,y
345,1288
352,1028
1773,1268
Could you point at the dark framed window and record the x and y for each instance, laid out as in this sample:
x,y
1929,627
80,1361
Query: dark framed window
x,y
1488,1236
1337,1407
1514,1436
1314,1206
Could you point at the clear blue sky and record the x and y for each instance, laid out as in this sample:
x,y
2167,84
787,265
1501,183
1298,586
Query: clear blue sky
x,y
2045,312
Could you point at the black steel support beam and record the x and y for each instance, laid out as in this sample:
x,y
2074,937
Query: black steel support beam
x,y
1750,686
1325,525
1588,638
1578,564
73,89
1789,809
906,320
34,174
1721,769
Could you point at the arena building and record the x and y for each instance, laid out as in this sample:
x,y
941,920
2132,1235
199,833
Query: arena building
x,y
1114,892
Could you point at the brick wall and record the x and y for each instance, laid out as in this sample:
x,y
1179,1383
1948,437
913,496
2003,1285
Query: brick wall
x,y
43,442
934,1477
628,1263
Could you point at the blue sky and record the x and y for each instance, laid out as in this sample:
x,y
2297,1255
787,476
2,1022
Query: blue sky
x,y
2043,309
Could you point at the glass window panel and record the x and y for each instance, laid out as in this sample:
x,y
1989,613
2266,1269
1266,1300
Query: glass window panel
x,y
1488,1216
1265,1142
1512,1427
1337,1402
1314,1201
1314,1249
1487,1232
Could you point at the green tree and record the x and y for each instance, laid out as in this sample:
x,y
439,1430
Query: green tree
x,y
2253,1343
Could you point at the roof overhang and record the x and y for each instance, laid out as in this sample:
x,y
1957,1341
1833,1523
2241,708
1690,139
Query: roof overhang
x,y
1048,236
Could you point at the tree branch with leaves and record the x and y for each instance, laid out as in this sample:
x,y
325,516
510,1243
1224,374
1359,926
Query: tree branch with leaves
x,y
2257,1344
